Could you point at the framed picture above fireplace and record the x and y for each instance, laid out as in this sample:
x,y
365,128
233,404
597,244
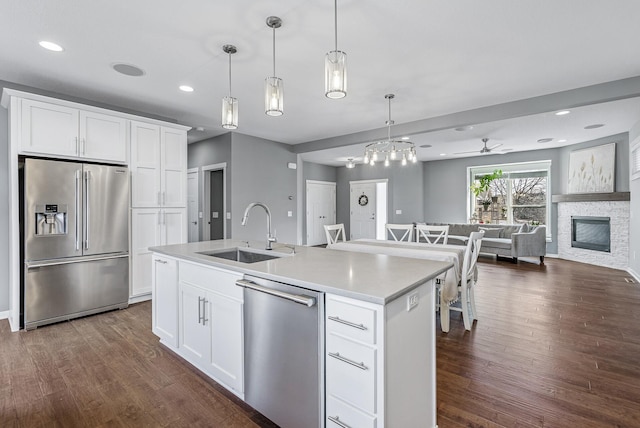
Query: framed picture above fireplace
x,y
592,170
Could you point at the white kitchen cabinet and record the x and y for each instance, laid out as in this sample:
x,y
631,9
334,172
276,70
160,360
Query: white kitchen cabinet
x,y
152,227
379,359
164,318
158,166
211,323
62,131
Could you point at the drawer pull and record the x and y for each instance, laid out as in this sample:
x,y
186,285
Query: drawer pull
x,y
339,357
336,420
349,323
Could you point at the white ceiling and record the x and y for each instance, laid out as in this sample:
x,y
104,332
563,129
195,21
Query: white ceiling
x,y
438,57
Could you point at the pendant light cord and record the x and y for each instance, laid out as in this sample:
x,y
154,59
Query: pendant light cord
x,y
229,74
335,18
389,122
274,51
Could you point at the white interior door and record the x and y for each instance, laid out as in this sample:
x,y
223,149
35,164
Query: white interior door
x,y
363,210
321,210
192,205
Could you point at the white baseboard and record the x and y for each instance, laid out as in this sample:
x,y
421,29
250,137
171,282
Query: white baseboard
x,y
4,315
139,298
634,274
552,256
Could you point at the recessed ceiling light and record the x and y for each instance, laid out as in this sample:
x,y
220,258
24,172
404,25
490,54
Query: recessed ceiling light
x,y
426,146
443,154
464,128
545,140
51,46
128,69
405,138
562,141
186,88
562,112
200,128
594,126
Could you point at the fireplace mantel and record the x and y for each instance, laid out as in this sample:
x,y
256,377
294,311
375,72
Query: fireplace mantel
x,y
592,197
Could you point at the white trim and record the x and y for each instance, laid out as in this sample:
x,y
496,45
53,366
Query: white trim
x,y
4,315
140,298
380,180
14,215
331,184
206,204
634,274
197,172
634,154
13,93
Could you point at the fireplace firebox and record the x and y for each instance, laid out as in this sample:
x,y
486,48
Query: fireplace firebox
x,y
591,233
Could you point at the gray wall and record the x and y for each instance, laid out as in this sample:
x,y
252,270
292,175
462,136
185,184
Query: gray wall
x,y
260,174
405,191
317,172
4,210
209,152
634,227
445,181
445,185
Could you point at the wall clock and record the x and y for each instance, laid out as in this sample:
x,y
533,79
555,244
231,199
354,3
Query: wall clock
x,y
363,200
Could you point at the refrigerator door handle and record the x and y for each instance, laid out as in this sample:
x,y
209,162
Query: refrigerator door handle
x,y
77,208
87,178
33,265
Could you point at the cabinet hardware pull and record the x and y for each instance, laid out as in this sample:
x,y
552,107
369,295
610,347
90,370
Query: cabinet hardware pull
x,y
78,185
204,311
164,262
339,357
84,146
349,323
336,420
159,200
77,146
199,309
164,198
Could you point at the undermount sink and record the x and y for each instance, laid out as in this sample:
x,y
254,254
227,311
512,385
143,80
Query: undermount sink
x,y
242,255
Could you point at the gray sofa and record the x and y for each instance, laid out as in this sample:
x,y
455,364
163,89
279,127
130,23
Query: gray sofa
x,y
509,240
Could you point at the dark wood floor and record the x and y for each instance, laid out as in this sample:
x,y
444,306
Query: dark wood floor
x,y
556,345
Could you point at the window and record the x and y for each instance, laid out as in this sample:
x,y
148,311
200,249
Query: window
x,y
521,195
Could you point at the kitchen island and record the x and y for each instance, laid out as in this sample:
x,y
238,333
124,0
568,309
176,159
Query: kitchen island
x,y
376,352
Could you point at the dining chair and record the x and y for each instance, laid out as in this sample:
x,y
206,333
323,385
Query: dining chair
x,y
465,286
334,232
432,234
404,231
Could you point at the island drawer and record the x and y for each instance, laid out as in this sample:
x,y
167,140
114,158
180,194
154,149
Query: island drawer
x,y
216,280
351,372
351,320
340,415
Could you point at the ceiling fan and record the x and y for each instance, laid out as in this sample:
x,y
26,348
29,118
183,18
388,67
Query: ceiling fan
x,y
483,150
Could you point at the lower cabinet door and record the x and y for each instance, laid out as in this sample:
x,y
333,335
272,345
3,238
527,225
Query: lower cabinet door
x,y
195,331
226,363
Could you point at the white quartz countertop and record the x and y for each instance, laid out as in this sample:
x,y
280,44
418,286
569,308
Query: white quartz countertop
x,y
374,278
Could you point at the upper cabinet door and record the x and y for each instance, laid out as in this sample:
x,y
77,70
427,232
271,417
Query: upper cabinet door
x,y
49,129
174,167
103,137
145,165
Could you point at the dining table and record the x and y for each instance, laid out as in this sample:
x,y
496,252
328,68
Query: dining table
x,y
439,252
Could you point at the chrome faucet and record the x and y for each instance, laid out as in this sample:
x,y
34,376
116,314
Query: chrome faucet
x,y
270,238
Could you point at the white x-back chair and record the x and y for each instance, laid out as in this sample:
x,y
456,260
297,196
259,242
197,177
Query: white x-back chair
x,y
334,232
400,232
432,234
465,286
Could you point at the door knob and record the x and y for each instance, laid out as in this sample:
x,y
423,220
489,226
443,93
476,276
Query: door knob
x,y
194,222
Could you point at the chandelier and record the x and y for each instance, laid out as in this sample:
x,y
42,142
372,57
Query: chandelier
x,y
390,150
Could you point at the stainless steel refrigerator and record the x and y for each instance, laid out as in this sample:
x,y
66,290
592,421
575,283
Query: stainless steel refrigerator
x,y
75,233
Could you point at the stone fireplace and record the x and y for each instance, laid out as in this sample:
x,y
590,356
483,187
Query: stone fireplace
x,y
593,222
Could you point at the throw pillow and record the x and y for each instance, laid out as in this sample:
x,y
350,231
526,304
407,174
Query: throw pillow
x,y
491,232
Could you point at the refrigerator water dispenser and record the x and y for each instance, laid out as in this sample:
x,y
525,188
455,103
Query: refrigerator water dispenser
x,y
51,219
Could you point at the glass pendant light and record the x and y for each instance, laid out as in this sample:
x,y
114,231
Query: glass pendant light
x,y
229,104
335,67
273,86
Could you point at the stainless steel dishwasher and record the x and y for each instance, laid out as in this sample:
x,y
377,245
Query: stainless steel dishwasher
x,y
284,352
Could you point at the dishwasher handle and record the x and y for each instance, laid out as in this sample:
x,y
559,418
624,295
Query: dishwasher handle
x,y
303,300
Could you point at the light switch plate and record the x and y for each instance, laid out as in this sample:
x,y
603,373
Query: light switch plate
x,y
228,216
412,301
398,212
289,213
